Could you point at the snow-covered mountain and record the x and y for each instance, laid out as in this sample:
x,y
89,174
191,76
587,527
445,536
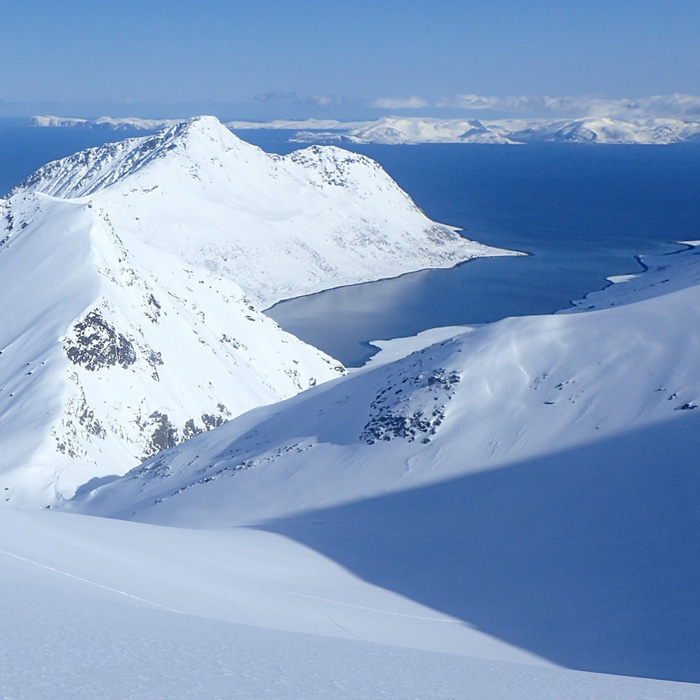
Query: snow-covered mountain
x,y
278,226
112,349
413,130
536,477
407,130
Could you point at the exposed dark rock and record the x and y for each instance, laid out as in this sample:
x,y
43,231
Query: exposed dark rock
x,y
97,345
191,429
393,417
211,421
153,312
164,433
91,424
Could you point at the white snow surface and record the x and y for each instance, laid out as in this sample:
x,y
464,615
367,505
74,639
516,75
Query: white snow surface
x,y
279,226
96,608
535,477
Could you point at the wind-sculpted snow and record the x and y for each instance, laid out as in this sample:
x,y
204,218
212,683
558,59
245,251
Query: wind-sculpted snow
x,y
278,226
536,477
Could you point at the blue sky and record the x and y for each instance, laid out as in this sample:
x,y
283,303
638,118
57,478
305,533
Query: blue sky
x,y
269,59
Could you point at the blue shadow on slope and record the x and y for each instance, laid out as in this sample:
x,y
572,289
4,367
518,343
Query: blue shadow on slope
x,y
589,558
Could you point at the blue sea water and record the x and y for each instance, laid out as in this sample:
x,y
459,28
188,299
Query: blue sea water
x,y
582,212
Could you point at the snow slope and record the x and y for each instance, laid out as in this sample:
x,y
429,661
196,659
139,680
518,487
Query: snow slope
x,y
536,477
112,349
278,226
105,609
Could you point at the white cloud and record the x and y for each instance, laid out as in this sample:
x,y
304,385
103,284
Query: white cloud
x,y
677,105
413,102
292,97
325,100
277,96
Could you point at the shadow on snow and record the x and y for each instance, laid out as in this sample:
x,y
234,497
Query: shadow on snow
x,y
589,558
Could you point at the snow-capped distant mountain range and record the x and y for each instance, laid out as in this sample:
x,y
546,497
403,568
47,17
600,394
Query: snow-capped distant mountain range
x,y
109,123
125,328
543,469
414,130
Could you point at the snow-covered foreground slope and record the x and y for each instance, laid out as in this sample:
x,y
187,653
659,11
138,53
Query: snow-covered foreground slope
x,y
95,608
111,349
278,226
536,477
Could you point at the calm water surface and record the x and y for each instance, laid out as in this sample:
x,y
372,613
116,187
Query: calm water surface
x,y
583,212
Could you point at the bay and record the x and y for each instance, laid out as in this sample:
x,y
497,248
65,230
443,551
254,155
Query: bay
x,y
583,213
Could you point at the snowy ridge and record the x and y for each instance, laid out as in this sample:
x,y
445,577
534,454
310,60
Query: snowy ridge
x,y
198,191
556,453
112,350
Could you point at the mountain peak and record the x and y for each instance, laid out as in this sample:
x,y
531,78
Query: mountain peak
x,y
196,190
195,141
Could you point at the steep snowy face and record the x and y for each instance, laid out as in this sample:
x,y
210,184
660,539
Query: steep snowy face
x,y
111,349
278,226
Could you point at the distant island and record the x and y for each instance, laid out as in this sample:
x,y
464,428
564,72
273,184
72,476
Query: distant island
x,y
414,130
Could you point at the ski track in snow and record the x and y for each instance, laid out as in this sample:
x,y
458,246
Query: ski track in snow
x,y
91,583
